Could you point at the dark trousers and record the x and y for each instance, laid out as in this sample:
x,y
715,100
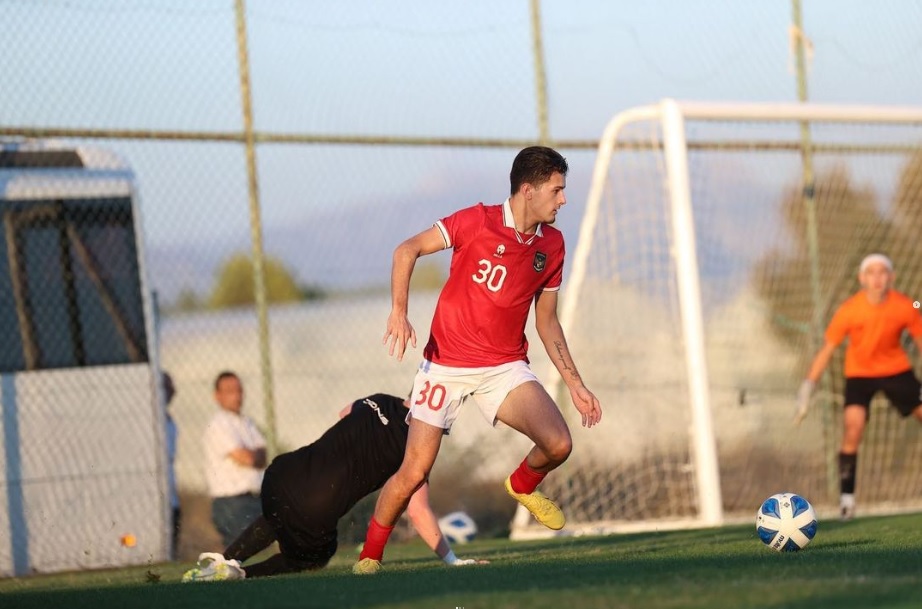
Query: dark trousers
x,y
175,527
232,515
256,538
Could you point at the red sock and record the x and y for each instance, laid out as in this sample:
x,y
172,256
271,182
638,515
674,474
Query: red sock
x,y
524,479
375,540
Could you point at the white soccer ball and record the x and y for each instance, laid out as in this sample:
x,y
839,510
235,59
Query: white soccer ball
x,y
458,527
786,522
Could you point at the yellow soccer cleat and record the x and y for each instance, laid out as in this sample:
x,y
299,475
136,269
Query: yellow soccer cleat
x,y
366,566
543,509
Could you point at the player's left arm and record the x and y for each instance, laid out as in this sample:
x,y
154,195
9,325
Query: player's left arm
x,y
555,343
427,525
914,327
918,341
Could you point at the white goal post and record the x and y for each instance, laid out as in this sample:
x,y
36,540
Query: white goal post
x,y
716,240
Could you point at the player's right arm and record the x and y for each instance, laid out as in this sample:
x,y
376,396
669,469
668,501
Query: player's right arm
x,y
399,330
836,332
819,363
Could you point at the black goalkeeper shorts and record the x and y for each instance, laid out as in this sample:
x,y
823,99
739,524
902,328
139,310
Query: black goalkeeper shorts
x,y
903,390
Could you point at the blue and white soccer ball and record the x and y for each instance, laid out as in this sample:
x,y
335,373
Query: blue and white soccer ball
x,y
786,522
458,527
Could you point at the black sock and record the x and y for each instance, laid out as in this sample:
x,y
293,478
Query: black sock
x,y
177,519
256,538
848,464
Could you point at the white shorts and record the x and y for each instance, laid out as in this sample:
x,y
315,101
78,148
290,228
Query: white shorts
x,y
439,391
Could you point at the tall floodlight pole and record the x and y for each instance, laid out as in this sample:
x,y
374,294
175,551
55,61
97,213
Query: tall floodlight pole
x,y
809,199
537,49
256,236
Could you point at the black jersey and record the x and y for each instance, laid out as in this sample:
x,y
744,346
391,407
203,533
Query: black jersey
x,y
352,459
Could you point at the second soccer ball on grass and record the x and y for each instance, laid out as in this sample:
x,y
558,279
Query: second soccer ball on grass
x,y
458,527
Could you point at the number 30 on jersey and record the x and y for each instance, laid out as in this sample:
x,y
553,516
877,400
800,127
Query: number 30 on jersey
x,y
489,274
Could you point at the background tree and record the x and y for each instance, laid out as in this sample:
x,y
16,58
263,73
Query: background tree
x,y
234,283
850,225
906,250
428,275
187,301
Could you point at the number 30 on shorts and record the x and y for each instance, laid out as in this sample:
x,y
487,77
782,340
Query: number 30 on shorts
x,y
432,395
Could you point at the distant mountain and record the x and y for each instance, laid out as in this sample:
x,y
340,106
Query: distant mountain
x,y
349,247
341,249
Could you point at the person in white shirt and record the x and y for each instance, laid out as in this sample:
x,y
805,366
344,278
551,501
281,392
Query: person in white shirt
x,y
172,435
235,458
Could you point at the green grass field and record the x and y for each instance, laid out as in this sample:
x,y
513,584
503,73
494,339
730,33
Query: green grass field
x,y
869,562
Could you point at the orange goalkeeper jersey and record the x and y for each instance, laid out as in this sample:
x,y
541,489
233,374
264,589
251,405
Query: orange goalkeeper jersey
x,y
874,333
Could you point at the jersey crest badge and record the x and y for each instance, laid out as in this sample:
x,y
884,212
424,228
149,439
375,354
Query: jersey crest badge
x,y
540,261
500,250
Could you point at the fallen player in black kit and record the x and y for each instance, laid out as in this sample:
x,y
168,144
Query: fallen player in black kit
x,y
305,492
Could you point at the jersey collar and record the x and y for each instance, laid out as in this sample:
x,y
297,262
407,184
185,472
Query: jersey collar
x,y
509,222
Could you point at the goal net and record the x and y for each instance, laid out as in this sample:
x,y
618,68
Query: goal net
x,y
717,242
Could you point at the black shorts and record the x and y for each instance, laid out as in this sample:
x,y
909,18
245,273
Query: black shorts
x,y
903,390
302,536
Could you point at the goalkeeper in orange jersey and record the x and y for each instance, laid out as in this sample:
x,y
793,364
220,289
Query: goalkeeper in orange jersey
x,y
873,320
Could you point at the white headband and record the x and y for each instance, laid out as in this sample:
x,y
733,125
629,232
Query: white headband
x,y
874,259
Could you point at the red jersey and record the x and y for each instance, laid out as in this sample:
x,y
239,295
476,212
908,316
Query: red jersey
x,y
495,275
874,333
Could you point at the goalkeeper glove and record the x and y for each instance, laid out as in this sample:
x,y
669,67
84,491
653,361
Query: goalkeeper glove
x,y
803,400
452,560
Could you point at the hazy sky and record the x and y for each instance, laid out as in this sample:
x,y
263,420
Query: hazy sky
x,y
409,68
434,68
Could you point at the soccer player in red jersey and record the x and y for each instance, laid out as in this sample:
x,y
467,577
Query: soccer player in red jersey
x,y
504,257
873,320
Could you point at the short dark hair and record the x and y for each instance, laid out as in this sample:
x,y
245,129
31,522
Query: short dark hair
x,y
225,374
535,165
